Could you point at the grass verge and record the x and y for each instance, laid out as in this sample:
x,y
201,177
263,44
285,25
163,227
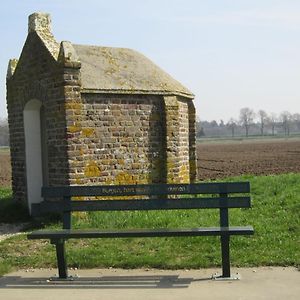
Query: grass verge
x,y
275,216
11,212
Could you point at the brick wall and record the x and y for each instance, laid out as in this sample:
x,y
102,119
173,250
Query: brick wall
x,y
183,143
192,141
118,139
180,144
37,76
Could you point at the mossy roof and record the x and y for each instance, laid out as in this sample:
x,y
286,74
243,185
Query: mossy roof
x,y
122,70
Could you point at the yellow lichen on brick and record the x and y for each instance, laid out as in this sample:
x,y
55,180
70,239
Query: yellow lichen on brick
x,y
172,179
74,128
78,181
143,180
73,105
81,151
186,178
184,174
92,169
170,165
121,162
88,132
125,178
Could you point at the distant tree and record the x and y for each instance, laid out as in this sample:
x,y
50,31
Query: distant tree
x,y
232,124
201,132
4,133
247,116
296,120
272,120
199,128
214,123
285,118
262,120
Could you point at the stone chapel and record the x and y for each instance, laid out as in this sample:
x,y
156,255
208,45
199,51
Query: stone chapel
x,y
82,115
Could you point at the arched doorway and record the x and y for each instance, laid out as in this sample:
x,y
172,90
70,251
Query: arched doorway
x,y
33,151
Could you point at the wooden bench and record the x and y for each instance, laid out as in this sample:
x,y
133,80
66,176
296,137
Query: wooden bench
x,y
143,197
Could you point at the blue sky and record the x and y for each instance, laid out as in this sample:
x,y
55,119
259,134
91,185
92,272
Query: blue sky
x,y
230,54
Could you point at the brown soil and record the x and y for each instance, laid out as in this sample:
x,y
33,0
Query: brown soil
x,y
5,169
257,158
219,160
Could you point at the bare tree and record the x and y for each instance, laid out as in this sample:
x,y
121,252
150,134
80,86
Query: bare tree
x,y
296,120
262,120
199,128
246,118
272,120
232,124
285,118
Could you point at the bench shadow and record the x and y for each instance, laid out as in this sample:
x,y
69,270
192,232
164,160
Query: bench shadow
x,y
101,282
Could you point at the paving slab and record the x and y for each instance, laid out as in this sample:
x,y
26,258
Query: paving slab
x,y
255,283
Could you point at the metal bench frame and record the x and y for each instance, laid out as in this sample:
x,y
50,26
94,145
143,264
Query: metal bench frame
x,y
143,197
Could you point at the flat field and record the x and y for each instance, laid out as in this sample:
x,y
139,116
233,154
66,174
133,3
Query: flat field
x,y
225,159
5,169
258,157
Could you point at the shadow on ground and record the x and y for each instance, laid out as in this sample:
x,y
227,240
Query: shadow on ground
x,y
109,282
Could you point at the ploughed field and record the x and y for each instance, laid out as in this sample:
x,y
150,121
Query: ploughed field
x,y
5,169
225,159
260,157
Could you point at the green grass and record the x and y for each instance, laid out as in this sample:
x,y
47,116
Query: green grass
x,y
11,212
4,149
275,216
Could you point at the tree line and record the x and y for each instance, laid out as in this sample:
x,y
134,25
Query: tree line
x,y
253,123
4,133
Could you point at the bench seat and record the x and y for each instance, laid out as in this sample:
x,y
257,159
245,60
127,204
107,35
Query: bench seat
x,y
145,232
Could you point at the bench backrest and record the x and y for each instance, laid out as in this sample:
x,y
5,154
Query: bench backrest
x,y
144,197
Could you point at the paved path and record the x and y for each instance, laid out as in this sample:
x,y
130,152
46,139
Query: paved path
x,y
266,283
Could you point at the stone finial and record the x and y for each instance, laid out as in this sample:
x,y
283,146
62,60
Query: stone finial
x,y
39,22
68,56
12,64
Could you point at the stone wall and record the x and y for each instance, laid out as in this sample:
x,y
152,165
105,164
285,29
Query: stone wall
x,y
180,144
130,139
118,139
183,143
192,141
37,76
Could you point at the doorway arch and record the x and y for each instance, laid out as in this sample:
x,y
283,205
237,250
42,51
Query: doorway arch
x,y
33,151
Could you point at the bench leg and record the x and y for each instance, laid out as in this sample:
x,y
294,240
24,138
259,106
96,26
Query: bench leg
x,y
61,258
225,256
